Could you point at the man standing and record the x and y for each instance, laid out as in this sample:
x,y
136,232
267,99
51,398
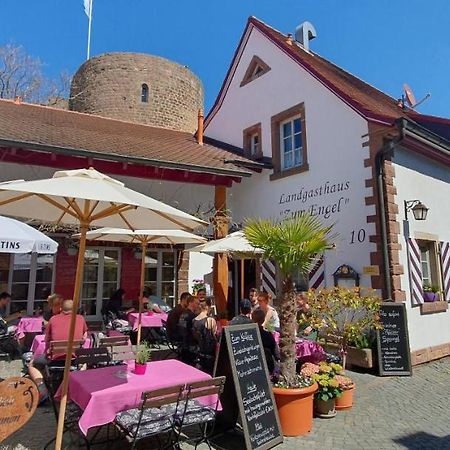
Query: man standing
x,y
253,296
174,315
244,317
185,329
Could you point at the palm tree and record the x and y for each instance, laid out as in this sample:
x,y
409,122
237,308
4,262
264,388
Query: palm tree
x,y
294,245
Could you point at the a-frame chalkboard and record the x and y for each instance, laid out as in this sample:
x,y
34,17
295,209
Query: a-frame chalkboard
x,y
394,355
248,390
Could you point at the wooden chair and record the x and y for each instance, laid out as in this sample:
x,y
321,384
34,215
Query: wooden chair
x,y
60,347
197,412
92,357
121,353
112,341
158,414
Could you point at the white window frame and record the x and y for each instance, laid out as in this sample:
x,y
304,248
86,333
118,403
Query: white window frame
x,y
31,281
292,136
159,268
254,144
100,268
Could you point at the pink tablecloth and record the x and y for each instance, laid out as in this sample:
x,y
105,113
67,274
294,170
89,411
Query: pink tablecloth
x,y
38,345
29,325
102,393
152,320
310,351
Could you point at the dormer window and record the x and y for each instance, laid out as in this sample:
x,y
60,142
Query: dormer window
x,y
252,142
255,69
144,93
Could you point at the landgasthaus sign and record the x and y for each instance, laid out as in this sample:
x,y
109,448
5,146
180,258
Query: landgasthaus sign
x,y
333,201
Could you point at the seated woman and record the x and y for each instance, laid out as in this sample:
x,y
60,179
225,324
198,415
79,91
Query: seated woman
x,y
305,330
271,349
54,303
204,329
271,321
148,303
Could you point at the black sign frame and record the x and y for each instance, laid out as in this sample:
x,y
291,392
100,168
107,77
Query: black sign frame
x,y
381,370
232,396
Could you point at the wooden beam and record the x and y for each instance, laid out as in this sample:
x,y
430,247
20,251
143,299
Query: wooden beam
x,y
220,265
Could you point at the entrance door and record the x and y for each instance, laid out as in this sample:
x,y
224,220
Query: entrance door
x,y
101,278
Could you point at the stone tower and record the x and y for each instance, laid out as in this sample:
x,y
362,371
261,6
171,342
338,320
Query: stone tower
x,y
138,88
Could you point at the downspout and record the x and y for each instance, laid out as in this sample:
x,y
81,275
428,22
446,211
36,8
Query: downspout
x,y
380,156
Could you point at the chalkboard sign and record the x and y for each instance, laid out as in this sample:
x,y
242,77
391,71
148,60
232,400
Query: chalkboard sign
x,y
248,390
394,356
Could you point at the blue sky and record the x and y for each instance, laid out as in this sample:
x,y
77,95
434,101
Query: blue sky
x,y
384,42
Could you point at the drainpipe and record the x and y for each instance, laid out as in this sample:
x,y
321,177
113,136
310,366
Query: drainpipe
x,y
384,151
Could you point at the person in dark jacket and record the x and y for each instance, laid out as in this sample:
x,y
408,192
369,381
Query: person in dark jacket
x,y
243,318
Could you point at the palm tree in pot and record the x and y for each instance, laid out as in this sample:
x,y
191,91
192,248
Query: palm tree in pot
x,y
294,244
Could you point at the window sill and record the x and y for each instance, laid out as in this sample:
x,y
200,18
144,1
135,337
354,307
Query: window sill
x,y
433,307
289,172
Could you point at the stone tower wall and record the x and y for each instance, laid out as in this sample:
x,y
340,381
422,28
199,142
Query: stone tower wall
x,y
110,85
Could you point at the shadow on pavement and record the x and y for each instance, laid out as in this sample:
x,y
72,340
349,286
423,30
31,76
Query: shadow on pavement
x,y
424,440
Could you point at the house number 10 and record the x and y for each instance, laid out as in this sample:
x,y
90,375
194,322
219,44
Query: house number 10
x,y
359,236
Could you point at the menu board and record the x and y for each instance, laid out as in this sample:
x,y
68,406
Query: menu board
x,y
242,354
394,356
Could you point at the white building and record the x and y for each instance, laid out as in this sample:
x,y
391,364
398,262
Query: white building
x,y
333,144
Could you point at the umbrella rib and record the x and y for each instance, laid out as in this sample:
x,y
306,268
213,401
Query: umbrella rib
x,y
58,205
126,221
166,216
15,199
72,203
111,211
93,208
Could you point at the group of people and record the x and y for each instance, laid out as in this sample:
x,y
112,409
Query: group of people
x,y
191,326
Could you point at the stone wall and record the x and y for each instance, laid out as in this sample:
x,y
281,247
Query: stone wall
x,y
110,85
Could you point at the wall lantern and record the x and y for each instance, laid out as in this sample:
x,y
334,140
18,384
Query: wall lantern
x,y
419,210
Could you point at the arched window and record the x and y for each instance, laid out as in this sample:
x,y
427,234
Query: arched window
x,y
144,93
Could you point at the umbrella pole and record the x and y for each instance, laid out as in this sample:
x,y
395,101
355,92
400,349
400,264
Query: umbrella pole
x,y
141,291
76,301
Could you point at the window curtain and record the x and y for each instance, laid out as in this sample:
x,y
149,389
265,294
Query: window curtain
x,y
415,272
269,277
445,268
317,274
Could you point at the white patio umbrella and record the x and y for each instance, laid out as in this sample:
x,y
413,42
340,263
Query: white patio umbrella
x,y
143,237
18,237
236,245
86,197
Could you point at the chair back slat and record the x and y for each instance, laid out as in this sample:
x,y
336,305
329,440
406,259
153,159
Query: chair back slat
x,y
112,341
123,353
92,356
204,388
58,347
161,397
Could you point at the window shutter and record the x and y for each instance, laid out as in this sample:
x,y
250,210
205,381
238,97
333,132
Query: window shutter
x,y
317,275
415,272
268,276
445,267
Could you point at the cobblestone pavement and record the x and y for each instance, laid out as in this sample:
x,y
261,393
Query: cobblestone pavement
x,y
389,413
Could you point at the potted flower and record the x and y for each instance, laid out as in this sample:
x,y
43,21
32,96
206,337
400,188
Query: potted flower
x,y
430,293
294,245
143,356
345,400
328,391
343,315
198,284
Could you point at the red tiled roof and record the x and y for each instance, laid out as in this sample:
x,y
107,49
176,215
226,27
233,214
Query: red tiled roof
x,y
365,99
46,128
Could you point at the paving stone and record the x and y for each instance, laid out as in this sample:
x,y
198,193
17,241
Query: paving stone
x,y
389,413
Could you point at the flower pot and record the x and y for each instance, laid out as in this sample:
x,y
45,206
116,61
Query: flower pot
x,y
430,296
345,401
325,409
139,369
295,408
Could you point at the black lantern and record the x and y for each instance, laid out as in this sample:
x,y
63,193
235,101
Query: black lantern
x,y
418,209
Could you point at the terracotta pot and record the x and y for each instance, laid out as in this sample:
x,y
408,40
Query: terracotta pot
x,y
345,401
139,369
430,296
295,408
325,409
